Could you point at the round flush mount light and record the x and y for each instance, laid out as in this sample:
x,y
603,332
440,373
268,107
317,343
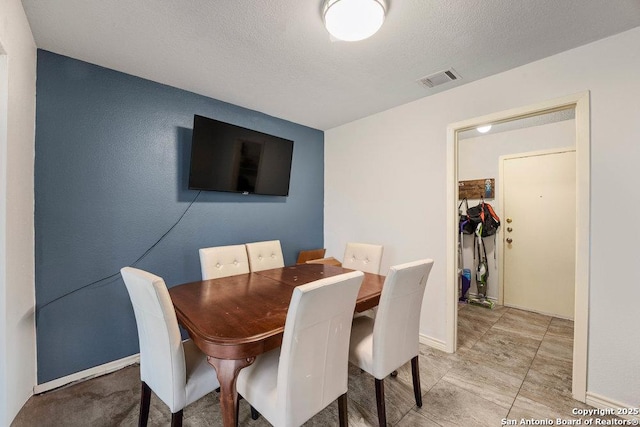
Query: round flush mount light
x,y
484,129
353,20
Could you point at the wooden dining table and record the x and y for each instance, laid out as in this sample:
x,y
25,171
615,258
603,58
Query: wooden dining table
x,y
235,319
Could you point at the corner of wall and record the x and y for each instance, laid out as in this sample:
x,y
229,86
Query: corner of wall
x,y
17,139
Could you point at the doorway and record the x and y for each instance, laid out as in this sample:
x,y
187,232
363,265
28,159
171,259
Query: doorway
x,y
580,105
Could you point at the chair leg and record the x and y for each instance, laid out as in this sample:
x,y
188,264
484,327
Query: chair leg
x,y
176,419
342,410
238,409
415,371
382,414
254,413
145,400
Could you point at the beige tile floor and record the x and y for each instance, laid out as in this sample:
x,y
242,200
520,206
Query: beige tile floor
x,y
510,364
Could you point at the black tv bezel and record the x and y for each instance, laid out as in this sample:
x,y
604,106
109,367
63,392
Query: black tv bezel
x,y
267,138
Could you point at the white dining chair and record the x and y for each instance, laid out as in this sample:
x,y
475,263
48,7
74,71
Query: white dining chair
x,y
265,255
363,256
176,371
291,384
223,261
380,346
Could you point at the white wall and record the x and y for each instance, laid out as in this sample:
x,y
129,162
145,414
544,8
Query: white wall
x,y
385,183
478,157
17,132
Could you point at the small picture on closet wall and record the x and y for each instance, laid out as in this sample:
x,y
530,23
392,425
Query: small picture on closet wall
x,y
477,188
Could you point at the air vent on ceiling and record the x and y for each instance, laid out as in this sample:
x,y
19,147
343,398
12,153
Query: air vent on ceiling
x,y
439,78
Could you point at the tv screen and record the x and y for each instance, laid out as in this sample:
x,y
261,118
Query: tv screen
x,y
225,157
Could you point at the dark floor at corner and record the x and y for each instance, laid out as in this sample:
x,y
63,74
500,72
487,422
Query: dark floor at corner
x,y
510,364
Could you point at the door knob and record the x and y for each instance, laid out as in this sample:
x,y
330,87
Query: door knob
x,y
509,240
509,229
509,220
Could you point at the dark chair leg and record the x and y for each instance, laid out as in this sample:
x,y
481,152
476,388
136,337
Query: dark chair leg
x,y
342,410
145,400
254,414
238,409
382,414
415,371
176,419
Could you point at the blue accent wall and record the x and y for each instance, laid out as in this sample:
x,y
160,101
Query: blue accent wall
x,y
111,170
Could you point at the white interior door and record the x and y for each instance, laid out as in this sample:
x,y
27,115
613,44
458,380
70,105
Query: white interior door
x,y
538,231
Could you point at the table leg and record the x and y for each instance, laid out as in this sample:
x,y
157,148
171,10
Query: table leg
x,y
227,371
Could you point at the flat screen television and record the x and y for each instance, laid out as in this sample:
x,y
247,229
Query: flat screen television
x,y
225,157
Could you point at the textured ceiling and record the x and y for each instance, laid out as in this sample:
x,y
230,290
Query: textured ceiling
x,y
521,123
275,56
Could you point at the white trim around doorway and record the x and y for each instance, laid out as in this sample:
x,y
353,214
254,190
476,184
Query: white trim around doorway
x,y
580,102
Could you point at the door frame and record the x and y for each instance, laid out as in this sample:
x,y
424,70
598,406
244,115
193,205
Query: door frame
x,y
581,104
500,234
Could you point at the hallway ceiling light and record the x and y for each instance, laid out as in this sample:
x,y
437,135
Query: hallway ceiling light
x,y
484,129
353,20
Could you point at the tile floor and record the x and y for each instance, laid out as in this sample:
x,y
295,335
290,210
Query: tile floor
x,y
510,364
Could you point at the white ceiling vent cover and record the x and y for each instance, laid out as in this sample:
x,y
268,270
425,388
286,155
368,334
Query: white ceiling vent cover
x,y
439,78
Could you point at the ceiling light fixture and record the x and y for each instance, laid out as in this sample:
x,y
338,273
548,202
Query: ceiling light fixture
x,y
353,20
484,129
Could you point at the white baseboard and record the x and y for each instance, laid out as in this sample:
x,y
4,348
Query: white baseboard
x,y
545,313
432,342
96,371
602,402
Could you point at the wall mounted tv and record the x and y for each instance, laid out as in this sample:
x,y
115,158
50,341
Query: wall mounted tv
x,y
225,157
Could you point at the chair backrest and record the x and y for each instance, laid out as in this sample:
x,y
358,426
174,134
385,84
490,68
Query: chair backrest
x,y
314,358
265,255
397,323
363,257
223,261
162,363
304,256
